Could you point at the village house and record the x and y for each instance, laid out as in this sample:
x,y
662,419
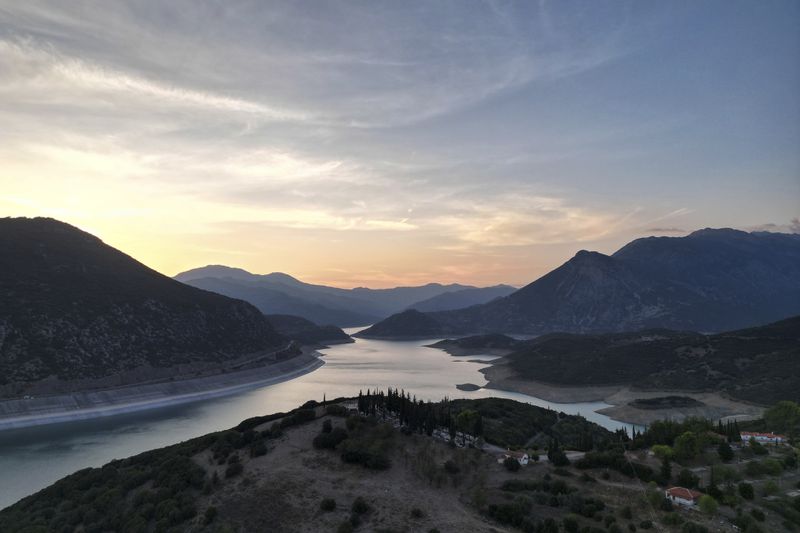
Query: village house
x,y
521,457
762,437
682,496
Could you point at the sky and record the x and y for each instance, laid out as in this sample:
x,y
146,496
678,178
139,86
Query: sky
x,y
369,143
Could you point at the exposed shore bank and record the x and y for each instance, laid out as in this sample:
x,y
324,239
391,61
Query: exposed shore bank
x,y
714,405
52,409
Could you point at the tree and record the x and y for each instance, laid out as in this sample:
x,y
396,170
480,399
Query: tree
x,y
708,504
666,469
783,417
686,446
661,451
725,451
511,464
687,479
746,491
466,420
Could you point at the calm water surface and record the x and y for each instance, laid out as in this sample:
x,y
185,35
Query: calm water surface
x,y
32,458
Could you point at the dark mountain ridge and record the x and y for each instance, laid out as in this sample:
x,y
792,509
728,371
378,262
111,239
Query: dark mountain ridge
x,y
72,307
711,280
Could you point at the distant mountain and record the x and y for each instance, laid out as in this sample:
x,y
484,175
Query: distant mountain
x,y
72,307
272,299
755,364
279,293
306,332
463,298
710,280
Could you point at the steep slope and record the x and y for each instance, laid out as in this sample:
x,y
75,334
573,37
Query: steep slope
x,y
463,298
710,280
279,293
72,307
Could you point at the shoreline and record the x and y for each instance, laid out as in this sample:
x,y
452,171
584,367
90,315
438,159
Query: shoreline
x,y
714,406
15,414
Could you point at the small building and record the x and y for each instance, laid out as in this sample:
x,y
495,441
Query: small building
x,y
773,438
521,457
682,496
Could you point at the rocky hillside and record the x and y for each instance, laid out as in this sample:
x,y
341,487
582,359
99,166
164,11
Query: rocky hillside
x,y
710,280
72,307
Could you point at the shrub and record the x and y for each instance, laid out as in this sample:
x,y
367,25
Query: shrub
x,y
336,410
646,524
345,527
298,417
451,467
234,469
210,515
360,506
570,524
328,504
626,512
511,464
708,504
746,491
758,514
770,488
691,527
327,426
331,439
417,513
258,449
725,451
687,479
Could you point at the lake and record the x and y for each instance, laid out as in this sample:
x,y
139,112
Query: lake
x,y
32,458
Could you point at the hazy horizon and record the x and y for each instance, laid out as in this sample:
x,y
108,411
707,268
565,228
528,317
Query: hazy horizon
x,y
380,144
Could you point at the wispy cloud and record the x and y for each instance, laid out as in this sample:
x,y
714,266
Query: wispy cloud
x,y
793,226
665,230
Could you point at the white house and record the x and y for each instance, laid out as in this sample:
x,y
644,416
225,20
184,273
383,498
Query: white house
x,y
521,457
682,496
762,437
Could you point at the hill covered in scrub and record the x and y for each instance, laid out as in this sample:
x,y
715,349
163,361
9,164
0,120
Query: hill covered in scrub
x,y
711,280
384,462
72,307
312,469
755,364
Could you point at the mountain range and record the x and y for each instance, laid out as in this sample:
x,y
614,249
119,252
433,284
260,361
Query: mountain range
x,y
74,308
710,280
279,293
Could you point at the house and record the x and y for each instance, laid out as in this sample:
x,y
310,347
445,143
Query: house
x,y
521,457
682,496
762,437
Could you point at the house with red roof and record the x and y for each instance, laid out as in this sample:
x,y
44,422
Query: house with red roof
x,y
773,438
682,496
